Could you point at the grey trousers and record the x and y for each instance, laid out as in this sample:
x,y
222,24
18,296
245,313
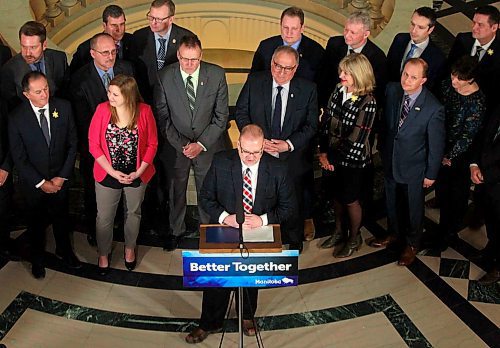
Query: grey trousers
x,y
107,203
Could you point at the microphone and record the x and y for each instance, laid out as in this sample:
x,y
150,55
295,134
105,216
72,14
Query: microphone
x,y
240,219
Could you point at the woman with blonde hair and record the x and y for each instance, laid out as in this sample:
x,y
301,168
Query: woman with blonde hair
x,y
123,141
345,149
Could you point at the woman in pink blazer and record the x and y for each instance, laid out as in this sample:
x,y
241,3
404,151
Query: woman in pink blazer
x,y
123,141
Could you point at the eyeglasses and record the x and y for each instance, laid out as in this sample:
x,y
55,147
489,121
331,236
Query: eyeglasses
x,y
286,69
106,53
254,153
156,19
189,60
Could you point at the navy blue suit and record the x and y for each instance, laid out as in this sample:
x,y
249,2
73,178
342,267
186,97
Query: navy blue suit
x,y
310,56
432,54
222,190
409,155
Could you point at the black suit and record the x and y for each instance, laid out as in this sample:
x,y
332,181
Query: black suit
x,y
87,91
432,54
254,105
222,190
487,157
144,55
35,161
5,54
489,65
82,55
310,52
12,73
6,165
335,51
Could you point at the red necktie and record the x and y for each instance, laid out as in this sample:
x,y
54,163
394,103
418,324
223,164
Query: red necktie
x,y
247,192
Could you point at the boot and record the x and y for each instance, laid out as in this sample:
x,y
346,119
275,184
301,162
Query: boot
x,y
350,247
335,239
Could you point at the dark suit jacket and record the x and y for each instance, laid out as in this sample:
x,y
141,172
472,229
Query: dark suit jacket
x,y
210,114
310,52
87,91
489,66
432,54
335,51
12,73
5,54
223,188
144,56
486,151
415,151
82,55
5,158
254,105
32,157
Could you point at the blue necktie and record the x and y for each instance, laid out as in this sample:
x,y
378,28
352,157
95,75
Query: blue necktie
x,y
411,52
276,122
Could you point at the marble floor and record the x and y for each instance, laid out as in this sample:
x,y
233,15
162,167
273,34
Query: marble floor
x,y
363,301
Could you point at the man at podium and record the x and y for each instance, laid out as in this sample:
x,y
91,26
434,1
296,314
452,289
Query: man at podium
x,y
259,183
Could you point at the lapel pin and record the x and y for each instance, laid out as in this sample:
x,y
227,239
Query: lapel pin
x,y
417,108
55,114
300,55
174,41
201,83
291,95
490,52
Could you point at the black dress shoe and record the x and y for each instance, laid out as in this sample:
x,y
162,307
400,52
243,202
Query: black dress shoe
x,y
297,246
38,270
171,242
91,240
491,277
69,259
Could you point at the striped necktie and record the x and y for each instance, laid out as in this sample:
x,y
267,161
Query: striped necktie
x,y
404,111
190,92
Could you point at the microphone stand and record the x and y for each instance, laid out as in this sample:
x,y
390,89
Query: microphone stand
x,y
240,219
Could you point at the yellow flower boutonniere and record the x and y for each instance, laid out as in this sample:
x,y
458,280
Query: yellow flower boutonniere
x,y
354,98
55,114
490,52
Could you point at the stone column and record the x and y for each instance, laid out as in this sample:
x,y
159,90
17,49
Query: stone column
x,y
70,7
53,12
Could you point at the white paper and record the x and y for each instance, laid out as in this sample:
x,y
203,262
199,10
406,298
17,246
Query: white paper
x,y
259,234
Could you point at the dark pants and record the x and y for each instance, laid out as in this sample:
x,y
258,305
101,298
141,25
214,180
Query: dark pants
x,y
405,209
490,194
89,199
5,209
42,210
452,192
215,302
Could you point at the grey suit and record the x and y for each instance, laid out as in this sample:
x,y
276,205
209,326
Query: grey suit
x,y
206,125
410,154
12,73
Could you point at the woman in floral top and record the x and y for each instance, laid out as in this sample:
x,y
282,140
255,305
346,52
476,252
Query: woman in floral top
x,y
465,108
123,141
345,149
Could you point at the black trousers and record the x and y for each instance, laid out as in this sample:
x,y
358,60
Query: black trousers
x,y
44,209
89,199
490,194
452,192
5,208
215,302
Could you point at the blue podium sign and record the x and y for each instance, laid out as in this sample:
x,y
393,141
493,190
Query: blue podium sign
x,y
230,270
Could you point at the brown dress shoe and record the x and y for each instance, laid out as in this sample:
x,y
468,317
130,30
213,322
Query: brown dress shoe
x,y
198,335
491,277
309,230
380,242
408,256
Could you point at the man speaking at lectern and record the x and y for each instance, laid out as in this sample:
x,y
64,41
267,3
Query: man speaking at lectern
x,y
258,182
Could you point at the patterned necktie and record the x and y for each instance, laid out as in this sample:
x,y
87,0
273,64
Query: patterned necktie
x,y
247,192
38,66
119,52
190,92
479,49
276,121
106,79
411,52
404,111
44,126
162,53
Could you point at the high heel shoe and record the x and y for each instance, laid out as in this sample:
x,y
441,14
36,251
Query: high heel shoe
x,y
350,247
104,270
335,239
130,265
